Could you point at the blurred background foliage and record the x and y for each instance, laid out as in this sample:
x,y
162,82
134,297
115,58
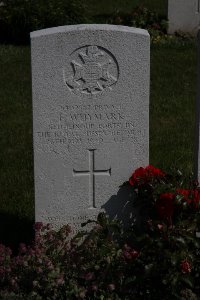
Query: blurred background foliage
x,y
19,17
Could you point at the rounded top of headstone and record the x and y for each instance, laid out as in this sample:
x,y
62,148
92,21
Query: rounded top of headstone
x,y
92,27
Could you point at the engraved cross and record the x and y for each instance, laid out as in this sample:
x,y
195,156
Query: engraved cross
x,y
92,173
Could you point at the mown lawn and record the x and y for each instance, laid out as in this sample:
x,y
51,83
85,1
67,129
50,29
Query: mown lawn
x,y
172,106
16,155
173,89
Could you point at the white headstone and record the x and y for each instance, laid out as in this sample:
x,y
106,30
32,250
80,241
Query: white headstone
x,y
184,16
90,86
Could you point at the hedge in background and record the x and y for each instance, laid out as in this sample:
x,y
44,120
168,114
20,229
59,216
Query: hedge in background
x,y
19,17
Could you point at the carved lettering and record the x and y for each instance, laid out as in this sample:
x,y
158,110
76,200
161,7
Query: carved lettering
x,y
114,116
80,117
91,127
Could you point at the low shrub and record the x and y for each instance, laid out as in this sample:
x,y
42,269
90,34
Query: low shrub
x,y
18,19
156,257
142,17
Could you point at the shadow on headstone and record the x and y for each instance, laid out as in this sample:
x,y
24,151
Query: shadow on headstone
x,y
15,230
126,208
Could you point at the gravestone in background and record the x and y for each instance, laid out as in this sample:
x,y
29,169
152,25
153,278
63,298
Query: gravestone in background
x,y
184,16
90,86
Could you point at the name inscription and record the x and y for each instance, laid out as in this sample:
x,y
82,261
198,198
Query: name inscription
x,y
90,124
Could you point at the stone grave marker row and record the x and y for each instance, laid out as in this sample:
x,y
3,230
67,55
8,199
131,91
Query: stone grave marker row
x,y
184,16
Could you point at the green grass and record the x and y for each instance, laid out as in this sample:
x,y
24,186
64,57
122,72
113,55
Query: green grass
x,y
108,7
172,109
16,162
173,89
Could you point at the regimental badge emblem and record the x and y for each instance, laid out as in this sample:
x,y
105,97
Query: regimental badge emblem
x,y
92,71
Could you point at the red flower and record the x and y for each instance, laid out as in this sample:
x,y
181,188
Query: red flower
x,y
196,198
190,196
185,266
152,171
38,226
89,276
22,248
160,226
137,175
111,287
156,25
165,206
186,195
144,175
129,253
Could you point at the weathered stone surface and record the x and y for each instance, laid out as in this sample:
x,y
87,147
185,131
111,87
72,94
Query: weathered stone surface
x,y
90,86
184,15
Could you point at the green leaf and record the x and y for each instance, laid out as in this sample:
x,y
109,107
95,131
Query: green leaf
x,y
88,222
80,234
148,268
174,280
180,240
119,252
130,280
187,281
102,219
174,260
